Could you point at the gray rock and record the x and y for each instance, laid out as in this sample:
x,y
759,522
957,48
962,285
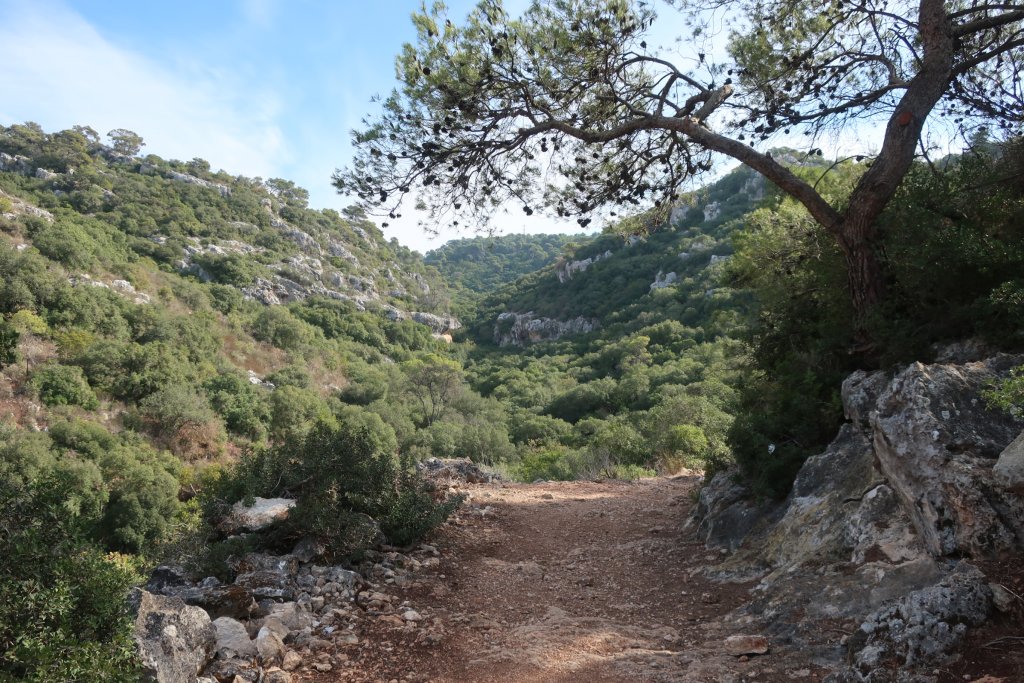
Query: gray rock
x,y
222,190
461,469
745,645
292,661
266,584
262,513
924,627
726,512
270,645
291,615
936,444
175,641
219,601
663,280
437,323
860,394
1009,468
523,329
276,675
233,638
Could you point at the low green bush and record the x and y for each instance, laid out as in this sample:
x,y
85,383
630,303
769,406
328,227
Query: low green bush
x,y
345,485
63,385
63,616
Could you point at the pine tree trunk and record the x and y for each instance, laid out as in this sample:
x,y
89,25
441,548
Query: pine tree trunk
x,y
864,274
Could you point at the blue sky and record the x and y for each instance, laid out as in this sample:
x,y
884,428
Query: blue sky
x,y
267,88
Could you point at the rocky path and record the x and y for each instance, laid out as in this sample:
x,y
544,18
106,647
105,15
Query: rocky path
x,y
567,581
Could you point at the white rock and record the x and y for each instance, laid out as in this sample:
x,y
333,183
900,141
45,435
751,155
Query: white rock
x,y
1009,469
269,645
231,635
263,513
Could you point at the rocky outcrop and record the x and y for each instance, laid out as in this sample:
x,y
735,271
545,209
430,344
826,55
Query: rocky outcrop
x,y
222,190
455,469
1009,468
305,627
175,641
566,270
21,207
918,629
663,280
260,515
879,529
937,445
15,164
523,329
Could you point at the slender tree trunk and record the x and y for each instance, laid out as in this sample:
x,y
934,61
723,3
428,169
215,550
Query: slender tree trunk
x,y
864,273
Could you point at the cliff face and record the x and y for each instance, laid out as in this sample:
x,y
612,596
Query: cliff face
x,y
523,329
887,528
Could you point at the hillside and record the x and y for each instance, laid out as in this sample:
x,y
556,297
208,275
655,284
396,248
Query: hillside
x,y
477,266
177,342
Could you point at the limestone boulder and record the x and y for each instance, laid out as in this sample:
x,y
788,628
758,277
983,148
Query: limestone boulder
x,y
260,515
233,639
175,641
921,629
1009,468
937,444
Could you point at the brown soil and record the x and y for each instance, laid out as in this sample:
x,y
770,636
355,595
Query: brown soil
x,y
567,581
596,582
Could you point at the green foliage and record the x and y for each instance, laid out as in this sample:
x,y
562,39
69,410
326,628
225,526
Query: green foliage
x,y
340,478
952,259
478,266
244,407
63,385
183,421
64,615
276,325
1007,394
9,337
549,463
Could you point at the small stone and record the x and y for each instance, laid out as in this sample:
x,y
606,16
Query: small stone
x,y
745,645
548,496
1001,598
322,667
269,645
411,615
276,675
292,661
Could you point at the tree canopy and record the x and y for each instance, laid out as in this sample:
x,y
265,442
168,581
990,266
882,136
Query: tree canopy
x,y
568,107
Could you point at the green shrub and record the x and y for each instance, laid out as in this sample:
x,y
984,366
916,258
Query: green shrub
x,y
63,385
137,487
243,406
182,420
341,481
64,615
9,337
546,463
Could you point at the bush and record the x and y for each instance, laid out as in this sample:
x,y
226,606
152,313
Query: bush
x,y
341,481
63,616
64,385
182,420
9,337
137,487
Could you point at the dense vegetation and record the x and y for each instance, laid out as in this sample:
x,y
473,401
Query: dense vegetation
x,y
174,340
475,267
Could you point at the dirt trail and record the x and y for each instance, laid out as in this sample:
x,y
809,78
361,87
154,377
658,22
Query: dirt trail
x,y
567,581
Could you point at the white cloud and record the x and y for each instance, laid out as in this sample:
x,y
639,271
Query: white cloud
x,y
60,71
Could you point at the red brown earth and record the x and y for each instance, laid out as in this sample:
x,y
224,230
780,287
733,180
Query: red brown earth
x,y
598,582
